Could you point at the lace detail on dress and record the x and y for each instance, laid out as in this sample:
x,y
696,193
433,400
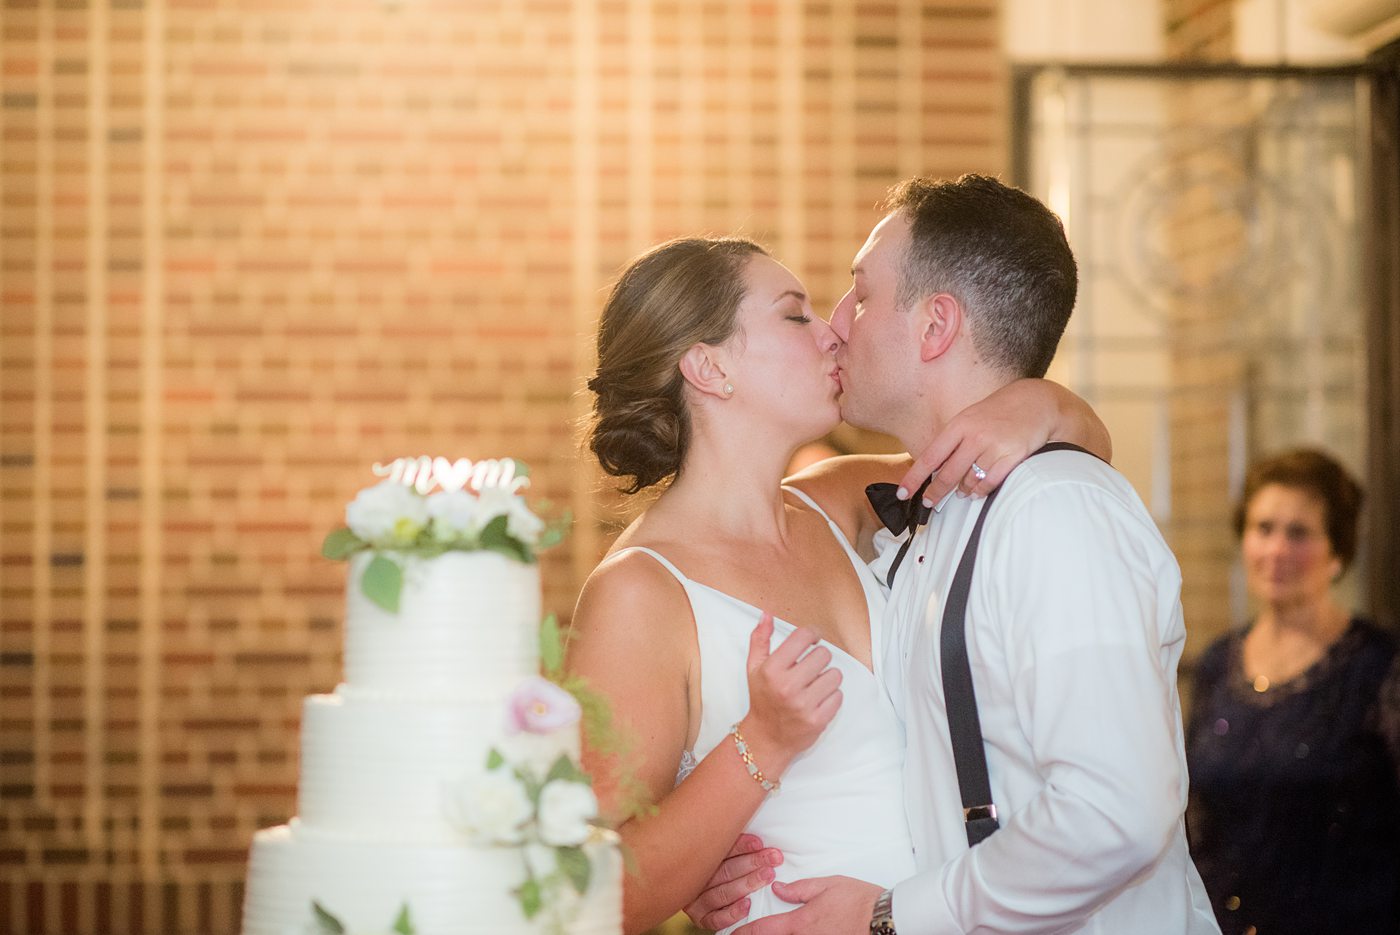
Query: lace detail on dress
x,y
688,764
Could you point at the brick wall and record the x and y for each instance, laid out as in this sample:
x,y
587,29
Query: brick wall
x,y
247,248
1199,30
1206,363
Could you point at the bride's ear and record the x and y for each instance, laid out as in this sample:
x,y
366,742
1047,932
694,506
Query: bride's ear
x,y
703,368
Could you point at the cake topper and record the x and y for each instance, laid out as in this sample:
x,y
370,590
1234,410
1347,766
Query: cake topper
x,y
424,473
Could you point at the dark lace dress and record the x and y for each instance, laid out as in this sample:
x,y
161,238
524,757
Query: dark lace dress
x,y
1294,816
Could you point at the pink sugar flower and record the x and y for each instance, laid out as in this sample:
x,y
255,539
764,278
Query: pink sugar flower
x,y
539,706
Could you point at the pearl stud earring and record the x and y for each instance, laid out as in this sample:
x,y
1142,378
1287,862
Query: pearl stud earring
x,y
729,389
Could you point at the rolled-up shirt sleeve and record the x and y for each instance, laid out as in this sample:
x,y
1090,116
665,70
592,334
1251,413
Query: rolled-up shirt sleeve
x,y
1078,598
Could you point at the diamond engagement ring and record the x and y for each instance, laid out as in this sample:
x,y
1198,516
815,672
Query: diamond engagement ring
x,y
978,473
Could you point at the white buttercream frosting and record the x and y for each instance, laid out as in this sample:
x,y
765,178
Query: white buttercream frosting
x,y
451,889
378,764
467,627
427,698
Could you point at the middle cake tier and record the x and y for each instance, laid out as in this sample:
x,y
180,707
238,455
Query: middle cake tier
x,y
387,765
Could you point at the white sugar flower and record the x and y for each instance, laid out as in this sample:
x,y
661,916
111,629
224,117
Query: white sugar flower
x,y
387,515
492,807
565,810
455,515
520,522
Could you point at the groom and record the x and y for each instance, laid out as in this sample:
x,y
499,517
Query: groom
x,y
1073,625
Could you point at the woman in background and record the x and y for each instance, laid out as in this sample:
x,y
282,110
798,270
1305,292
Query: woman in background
x,y
712,372
1294,814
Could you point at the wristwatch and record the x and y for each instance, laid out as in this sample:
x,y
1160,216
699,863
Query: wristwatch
x,y
882,919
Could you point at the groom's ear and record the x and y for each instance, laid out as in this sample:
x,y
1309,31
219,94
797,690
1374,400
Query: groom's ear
x,y
703,368
939,318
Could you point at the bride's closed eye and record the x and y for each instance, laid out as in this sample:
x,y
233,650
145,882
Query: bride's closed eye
x,y
800,319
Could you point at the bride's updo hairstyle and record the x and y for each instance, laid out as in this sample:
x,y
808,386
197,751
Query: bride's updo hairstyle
x,y
669,299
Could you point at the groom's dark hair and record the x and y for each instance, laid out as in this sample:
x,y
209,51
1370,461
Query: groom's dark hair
x,y
1001,253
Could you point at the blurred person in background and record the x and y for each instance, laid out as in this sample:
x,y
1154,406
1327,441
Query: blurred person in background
x,y
1294,816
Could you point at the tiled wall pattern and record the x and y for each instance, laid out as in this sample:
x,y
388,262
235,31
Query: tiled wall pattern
x,y
247,248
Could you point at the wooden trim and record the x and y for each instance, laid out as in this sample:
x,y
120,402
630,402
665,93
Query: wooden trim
x,y
1382,283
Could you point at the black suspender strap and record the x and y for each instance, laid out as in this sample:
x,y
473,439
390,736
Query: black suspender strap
x,y
959,696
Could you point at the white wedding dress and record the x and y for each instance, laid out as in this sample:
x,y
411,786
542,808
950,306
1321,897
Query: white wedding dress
x,y
841,806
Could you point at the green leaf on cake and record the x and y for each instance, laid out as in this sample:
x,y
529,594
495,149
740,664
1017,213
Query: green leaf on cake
x,y
341,544
403,925
531,897
532,786
430,548
495,537
383,582
574,864
494,531
494,759
551,646
564,768
326,923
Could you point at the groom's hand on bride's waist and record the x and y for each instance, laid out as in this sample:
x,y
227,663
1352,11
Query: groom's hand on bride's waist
x,y
747,868
828,906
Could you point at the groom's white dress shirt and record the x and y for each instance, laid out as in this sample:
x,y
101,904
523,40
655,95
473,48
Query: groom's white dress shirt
x,y
1074,630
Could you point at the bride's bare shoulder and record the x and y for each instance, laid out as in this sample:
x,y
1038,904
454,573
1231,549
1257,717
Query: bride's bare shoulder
x,y
630,587
632,623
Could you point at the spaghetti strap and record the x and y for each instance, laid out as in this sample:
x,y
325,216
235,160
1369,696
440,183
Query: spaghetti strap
x,y
665,562
807,500
835,528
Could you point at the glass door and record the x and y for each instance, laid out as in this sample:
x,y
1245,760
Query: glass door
x,y
1217,217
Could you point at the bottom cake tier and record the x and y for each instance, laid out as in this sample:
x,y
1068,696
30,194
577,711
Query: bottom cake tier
x,y
449,889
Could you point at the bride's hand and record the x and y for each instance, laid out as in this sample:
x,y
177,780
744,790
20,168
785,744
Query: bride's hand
x,y
999,432
793,695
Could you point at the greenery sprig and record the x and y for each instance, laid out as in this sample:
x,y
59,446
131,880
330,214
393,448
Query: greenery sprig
x,y
382,581
600,733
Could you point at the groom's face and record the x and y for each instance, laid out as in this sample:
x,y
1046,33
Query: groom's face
x,y
876,359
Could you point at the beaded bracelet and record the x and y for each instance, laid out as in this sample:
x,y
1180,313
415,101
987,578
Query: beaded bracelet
x,y
769,785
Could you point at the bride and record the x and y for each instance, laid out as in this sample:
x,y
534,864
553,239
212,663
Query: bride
x,y
734,626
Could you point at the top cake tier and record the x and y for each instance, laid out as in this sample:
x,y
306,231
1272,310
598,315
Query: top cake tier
x,y
467,626
443,598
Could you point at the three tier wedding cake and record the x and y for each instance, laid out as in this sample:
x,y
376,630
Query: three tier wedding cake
x,y
439,790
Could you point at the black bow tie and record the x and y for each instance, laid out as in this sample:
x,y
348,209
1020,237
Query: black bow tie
x,y
899,516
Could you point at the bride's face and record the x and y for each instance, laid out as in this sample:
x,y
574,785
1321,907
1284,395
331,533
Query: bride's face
x,y
784,354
